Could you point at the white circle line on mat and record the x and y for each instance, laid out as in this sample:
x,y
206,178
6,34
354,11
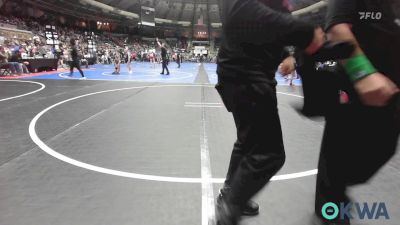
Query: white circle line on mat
x,y
139,78
140,72
42,86
34,136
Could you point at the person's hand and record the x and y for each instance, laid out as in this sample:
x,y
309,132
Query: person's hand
x,y
376,90
317,42
287,66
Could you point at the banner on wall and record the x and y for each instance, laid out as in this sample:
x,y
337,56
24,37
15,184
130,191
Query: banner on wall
x,y
91,41
8,34
200,50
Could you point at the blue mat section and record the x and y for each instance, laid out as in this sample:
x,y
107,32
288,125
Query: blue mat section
x,y
142,72
211,69
147,72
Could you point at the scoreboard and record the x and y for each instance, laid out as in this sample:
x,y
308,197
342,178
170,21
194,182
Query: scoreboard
x,y
200,32
147,17
52,36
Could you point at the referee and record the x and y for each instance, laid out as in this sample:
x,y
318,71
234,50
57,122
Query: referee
x,y
255,33
164,57
75,63
360,135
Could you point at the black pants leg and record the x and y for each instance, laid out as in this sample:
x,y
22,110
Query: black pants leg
x,y
71,69
237,155
165,66
77,66
258,153
357,142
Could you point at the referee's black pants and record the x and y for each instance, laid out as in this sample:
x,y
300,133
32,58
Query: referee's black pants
x,y
75,64
358,140
164,66
258,154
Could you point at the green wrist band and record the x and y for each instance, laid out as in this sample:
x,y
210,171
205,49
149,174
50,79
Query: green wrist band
x,y
359,67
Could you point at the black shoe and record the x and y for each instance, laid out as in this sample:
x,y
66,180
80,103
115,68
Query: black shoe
x,y
226,213
249,209
316,220
167,74
161,73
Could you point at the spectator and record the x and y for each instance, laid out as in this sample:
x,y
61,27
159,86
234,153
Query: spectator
x,y
13,66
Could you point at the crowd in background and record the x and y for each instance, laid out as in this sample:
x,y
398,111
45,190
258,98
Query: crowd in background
x,y
107,47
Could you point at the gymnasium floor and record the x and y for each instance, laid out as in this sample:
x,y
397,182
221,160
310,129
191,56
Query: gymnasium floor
x,y
147,149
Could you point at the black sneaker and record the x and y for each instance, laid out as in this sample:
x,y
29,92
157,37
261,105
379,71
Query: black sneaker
x,y
249,209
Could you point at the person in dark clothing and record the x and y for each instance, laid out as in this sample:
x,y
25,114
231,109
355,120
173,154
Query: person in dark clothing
x,y
360,134
255,33
164,57
178,59
75,63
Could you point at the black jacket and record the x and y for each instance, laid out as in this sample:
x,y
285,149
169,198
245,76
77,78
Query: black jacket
x,y
378,33
74,54
254,34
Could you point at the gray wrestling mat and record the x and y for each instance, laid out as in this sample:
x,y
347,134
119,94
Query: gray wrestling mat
x,y
130,153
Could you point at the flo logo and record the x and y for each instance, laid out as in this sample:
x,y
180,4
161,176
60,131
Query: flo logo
x,y
363,211
370,15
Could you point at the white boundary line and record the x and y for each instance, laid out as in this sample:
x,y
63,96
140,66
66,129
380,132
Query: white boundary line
x,y
50,151
203,106
134,74
122,74
23,81
207,194
287,94
202,103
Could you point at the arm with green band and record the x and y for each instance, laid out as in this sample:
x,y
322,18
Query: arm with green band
x,y
359,67
373,87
